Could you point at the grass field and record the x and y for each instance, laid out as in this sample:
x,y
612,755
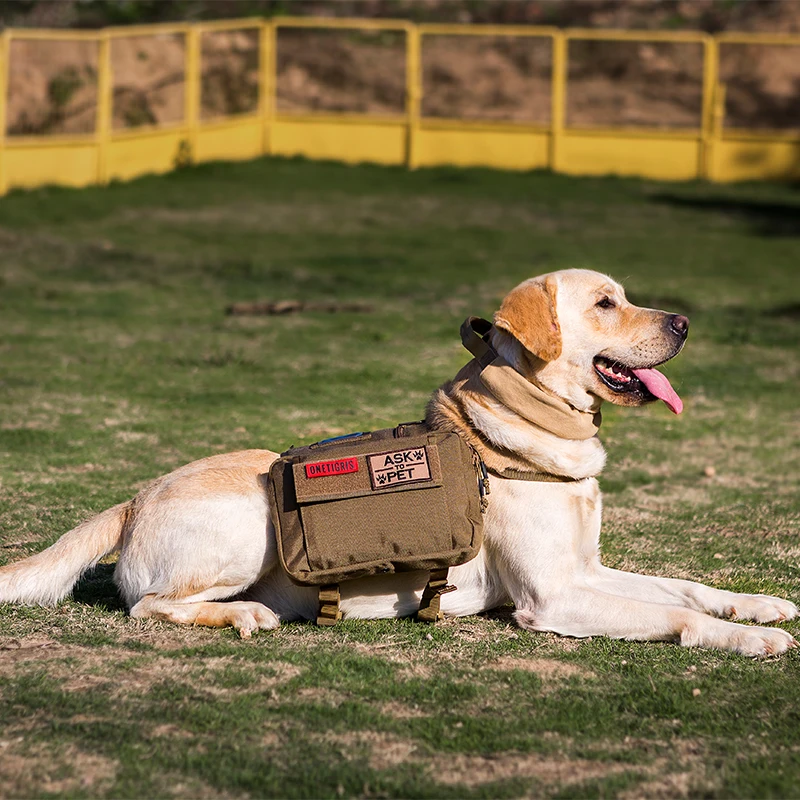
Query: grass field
x,y
119,364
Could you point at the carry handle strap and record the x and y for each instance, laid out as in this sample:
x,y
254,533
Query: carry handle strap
x,y
474,334
430,604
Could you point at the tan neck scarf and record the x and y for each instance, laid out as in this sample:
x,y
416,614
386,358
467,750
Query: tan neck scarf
x,y
521,396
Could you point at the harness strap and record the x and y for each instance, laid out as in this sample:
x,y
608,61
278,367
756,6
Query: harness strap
x,y
430,604
429,607
329,611
474,333
525,475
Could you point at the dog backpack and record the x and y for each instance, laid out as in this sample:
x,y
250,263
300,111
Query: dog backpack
x,y
393,500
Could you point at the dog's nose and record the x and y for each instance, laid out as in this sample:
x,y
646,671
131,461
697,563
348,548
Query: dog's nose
x,y
679,325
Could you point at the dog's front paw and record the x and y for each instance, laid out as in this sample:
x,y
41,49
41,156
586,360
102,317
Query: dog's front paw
x,y
763,642
760,608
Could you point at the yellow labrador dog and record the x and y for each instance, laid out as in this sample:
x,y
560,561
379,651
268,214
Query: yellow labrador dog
x,y
197,546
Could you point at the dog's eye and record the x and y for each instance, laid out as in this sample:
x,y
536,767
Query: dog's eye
x,y
606,302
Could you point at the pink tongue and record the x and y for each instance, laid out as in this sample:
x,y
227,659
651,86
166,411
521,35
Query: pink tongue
x,y
658,385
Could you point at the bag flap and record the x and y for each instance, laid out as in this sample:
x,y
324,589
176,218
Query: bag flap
x,y
398,468
389,525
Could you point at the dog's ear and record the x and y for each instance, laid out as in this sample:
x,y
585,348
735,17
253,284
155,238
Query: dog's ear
x,y
528,313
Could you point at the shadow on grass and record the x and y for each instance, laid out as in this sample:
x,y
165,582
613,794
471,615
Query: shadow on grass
x,y
765,218
504,614
96,588
789,311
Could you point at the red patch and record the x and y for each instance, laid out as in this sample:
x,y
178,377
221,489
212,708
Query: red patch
x,y
323,469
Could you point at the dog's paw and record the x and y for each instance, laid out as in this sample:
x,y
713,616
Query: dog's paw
x,y
251,617
526,619
763,642
760,608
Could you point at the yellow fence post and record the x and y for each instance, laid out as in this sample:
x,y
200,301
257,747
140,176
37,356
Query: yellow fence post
x,y
719,112
267,82
413,92
708,133
558,98
192,90
105,102
5,57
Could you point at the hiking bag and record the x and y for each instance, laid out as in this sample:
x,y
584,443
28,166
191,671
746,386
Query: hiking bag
x,y
393,500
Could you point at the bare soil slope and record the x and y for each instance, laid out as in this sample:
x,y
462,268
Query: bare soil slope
x,y
52,85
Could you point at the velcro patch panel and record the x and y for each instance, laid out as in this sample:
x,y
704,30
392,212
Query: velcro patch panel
x,y
339,466
399,466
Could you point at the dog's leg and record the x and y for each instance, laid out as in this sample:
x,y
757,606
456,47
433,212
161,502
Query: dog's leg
x,y
580,611
182,556
756,607
548,572
246,617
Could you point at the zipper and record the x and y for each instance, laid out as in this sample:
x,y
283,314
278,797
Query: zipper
x,y
483,480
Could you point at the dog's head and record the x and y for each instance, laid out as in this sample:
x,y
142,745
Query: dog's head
x,y
575,334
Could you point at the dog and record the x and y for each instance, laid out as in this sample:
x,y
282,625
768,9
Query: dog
x,y
197,547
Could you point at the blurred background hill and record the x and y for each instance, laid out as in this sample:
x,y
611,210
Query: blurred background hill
x,y
52,85
707,15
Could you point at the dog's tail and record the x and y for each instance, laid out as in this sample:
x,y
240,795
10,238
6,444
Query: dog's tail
x,y
48,577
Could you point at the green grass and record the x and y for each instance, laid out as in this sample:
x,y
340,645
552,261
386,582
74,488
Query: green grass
x,y
119,363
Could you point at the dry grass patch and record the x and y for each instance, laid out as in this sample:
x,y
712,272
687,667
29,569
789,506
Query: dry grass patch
x,y
666,787
76,668
397,710
79,669
166,636
377,648
169,731
416,671
689,779
25,646
551,672
16,654
473,770
205,676
197,790
669,496
26,772
477,630
327,697
384,750
625,518
387,751
788,554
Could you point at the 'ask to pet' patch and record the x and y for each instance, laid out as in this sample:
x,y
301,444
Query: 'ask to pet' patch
x,y
400,466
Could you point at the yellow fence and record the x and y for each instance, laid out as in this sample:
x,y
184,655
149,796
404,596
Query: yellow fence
x,y
708,150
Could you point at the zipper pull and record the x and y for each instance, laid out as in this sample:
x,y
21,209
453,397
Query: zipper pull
x,y
483,485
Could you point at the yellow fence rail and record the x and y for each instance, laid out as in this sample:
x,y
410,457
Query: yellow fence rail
x,y
710,150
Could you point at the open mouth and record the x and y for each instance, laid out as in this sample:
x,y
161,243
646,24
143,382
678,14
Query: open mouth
x,y
648,384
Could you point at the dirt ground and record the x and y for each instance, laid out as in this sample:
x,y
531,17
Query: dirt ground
x,y
52,86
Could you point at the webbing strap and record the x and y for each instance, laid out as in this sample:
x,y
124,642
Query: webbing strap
x,y
525,475
430,604
473,333
329,611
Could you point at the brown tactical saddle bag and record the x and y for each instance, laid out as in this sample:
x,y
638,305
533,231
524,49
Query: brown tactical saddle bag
x,y
395,500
